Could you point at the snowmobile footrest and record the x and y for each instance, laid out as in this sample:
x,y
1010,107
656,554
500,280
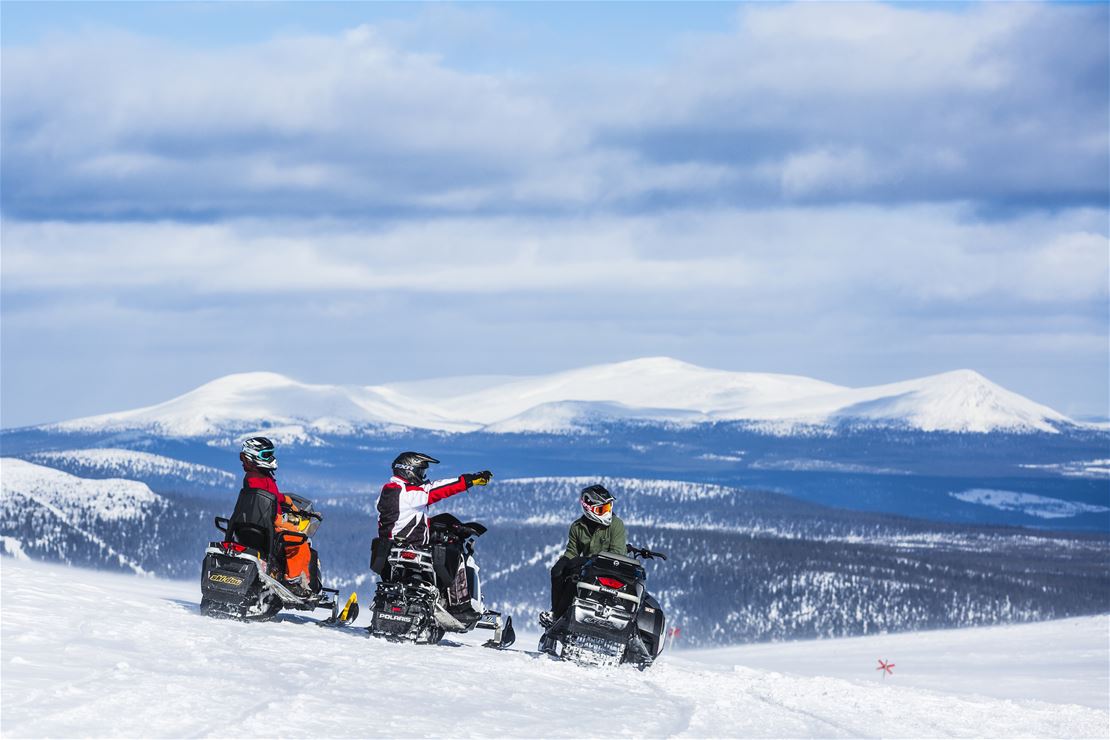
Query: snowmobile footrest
x,y
504,636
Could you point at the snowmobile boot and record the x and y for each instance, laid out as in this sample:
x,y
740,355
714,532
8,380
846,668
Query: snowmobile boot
x,y
546,619
299,587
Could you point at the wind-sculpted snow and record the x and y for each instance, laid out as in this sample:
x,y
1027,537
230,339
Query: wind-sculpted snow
x,y
130,657
104,463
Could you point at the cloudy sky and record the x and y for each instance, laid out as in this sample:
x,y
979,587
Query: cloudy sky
x,y
352,193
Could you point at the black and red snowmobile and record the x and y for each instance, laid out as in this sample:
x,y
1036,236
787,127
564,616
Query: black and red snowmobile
x,y
243,574
428,590
613,619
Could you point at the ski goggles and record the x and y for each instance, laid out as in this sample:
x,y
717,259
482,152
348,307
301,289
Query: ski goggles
x,y
266,455
601,509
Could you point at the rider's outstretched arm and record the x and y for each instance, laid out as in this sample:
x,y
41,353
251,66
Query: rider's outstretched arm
x,y
442,489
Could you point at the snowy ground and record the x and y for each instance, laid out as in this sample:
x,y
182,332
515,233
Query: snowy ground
x,y
94,654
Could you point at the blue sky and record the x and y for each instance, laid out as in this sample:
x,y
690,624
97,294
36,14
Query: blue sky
x,y
362,193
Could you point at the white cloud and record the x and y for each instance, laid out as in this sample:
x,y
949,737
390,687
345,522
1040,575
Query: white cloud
x,y
848,102
822,170
919,254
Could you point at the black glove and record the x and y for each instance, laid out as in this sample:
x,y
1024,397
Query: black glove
x,y
480,478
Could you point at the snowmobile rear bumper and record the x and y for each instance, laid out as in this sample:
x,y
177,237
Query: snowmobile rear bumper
x,y
227,580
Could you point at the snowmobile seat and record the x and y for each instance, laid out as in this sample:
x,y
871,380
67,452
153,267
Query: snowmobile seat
x,y
252,522
448,527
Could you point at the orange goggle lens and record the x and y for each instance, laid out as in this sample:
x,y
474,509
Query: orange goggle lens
x,y
602,509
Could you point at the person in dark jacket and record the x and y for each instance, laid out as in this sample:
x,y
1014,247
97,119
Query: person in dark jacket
x,y
259,472
597,530
403,503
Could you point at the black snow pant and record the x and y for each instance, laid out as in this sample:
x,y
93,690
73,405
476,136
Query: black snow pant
x,y
564,577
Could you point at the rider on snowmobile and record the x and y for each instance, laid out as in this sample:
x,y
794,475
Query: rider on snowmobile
x,y
597,530
259,466
403,503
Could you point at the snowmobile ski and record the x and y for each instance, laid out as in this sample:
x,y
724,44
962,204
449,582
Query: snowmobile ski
x,y
503,633
343,617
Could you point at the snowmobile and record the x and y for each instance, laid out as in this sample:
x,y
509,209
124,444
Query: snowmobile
x,y
612,619
242,575
432,589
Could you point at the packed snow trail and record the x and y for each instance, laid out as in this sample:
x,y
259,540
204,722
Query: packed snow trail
x,y
97,654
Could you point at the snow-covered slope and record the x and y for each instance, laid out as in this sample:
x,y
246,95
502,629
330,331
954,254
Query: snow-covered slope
x,y
111,462
131,657
108,499
63,517
655,389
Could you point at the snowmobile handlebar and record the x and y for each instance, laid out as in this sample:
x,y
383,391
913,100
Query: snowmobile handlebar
x,y
643,552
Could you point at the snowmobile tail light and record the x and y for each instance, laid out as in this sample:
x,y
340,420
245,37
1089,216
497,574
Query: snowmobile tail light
x,y
610,582
408,555
234,546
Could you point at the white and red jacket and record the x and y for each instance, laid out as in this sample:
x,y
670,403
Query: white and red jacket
x,y
403,507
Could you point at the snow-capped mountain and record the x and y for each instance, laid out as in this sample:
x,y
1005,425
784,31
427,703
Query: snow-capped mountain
x,y
245,400
648,390
958,401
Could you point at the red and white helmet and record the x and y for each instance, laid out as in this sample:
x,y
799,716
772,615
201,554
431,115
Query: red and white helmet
x,y
597,504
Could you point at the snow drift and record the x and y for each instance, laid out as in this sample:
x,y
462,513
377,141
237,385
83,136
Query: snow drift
x,y
131,657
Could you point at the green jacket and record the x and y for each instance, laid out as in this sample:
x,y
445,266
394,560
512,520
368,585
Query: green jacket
x,y
587,537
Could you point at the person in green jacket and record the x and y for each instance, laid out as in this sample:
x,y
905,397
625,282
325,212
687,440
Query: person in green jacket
x,y
597,530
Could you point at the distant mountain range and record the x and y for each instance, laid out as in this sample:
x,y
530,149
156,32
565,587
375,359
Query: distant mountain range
x,y
953,447
656,390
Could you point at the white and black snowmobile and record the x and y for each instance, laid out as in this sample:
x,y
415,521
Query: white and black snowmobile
x,y
428,590
243,574
612,618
